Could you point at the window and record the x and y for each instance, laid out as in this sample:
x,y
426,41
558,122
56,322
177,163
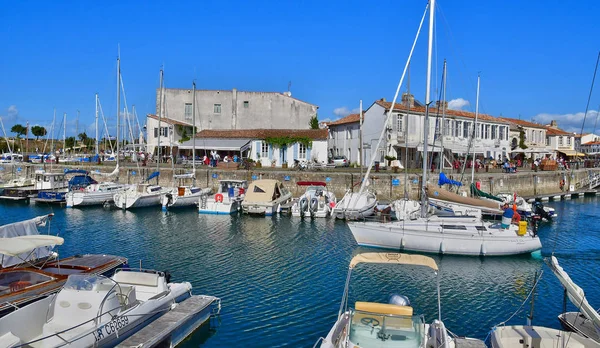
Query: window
x,y
156,132
331,134
560,141
466,129
246,104
447,127
487,131
349,133
494,130
264,149
399,124
164,131
301,151
349,153
547,141
188,111
457,125
217,108
568,140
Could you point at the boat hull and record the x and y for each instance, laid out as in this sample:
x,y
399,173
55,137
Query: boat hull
x,y
453,236
80,198
219,208
172,200
129,200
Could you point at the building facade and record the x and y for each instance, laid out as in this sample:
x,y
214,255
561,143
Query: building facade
x,y
560,141
344,138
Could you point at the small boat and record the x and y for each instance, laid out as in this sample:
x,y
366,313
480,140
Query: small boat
x,y
92,310
94,194
265,197
354,206
18,182
586,322
537,336
227,200
394,324
58,192
526,209
316,201
140,195
183,196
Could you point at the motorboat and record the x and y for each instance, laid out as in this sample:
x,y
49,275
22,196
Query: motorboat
x,y
586,322
18,182
316,201
227,200
28,229
394,324
355,205
183,195
265,197
526,209
140,195
57,194
537,336
94,194
93,310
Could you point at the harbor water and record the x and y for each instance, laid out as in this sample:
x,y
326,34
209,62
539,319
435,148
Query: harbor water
x,y
281,279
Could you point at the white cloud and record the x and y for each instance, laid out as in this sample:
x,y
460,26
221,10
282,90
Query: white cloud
x,y
344,111
458,104
10,116
570,122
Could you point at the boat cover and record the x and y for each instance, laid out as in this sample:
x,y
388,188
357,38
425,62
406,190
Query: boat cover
x,y
444,195
23,244
24,228
478,193
394,258
261,191
575,293
152,176
114,172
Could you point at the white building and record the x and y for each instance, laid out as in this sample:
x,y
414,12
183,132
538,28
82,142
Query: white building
x,y
344,138
582,141
171,133
560,141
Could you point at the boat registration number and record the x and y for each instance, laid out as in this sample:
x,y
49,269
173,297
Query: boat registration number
x,y
111,327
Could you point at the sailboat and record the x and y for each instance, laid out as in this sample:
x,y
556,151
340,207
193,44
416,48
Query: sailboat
x,y
434,234
100,193
186,195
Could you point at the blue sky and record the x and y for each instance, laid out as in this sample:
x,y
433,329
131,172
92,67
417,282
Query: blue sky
x,y
536,58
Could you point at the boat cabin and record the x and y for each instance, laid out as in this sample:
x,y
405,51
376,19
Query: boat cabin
x,y
49,181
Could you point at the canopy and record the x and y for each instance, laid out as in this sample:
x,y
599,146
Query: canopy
x,y
444,180
394,258
311,183
478,193
571,153
19,245
260,191
218,144
23,228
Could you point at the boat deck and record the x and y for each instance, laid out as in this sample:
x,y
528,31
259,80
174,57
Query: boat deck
x,y
577,322
177,324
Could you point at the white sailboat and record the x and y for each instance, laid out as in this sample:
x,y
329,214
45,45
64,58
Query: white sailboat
x,y
186,195
394,324
93,310
355,205
445,235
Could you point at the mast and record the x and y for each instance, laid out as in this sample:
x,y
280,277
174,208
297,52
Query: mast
x,y
76,127
97,152
475,131
424,204
194,130
406,134
360,136
159,116
52,131
443,118
118,101
65,134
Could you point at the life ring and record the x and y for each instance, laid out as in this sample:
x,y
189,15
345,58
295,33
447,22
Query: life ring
x,y
19,285
562,183
516,218
219,198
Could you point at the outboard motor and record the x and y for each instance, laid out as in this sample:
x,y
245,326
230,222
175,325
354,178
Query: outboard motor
x,y
167,277
314,206
303,206
399,300
538,209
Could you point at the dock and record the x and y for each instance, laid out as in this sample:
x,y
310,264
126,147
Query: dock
x,y
561,195
176,325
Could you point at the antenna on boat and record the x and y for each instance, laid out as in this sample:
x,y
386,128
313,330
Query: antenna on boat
x,y
118,99
475,129
194,132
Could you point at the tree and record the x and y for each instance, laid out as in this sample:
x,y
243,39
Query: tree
x,y
522,140
83,137
69,142
19,130
314,122
38,131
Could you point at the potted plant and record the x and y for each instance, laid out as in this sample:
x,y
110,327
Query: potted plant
x,y
284,165
389,160
258,163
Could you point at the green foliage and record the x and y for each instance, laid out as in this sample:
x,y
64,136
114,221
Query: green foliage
x,y
314,122
390,158
184,136
522,140
38,131
69,142
285,141
19,130
83,137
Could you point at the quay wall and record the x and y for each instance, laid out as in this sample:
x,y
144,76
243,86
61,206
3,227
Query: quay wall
x,y
386,184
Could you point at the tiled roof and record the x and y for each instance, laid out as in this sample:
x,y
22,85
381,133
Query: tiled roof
x,y
582,135
169,120
352,118
314,134
592,143
556,131
458,113
522,123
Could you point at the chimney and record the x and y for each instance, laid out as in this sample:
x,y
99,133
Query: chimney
x,y
441,104
382,99
553,124
408,100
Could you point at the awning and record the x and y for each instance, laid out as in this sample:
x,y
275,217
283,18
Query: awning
x,y
571,153
217,144
22,244
394,258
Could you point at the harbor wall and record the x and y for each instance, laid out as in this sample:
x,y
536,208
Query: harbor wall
x,y
386,184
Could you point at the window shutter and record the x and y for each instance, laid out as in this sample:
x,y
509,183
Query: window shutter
x,y
295,151
156,132
308,153
270,152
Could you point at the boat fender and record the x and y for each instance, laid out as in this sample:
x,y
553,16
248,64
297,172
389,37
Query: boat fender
x,y
219,198
402,243
442,248
483,250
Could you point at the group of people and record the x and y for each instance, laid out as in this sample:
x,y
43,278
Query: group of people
x,y
215,158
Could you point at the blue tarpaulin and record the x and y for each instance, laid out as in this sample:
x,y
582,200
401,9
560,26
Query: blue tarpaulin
x,y
152,176
444,180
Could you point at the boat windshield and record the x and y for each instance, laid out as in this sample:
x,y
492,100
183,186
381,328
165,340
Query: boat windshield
x,y
384,330
83,282
17,280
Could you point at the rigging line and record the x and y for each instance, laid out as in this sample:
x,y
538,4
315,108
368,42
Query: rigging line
x,y
590,95
112,150
595,123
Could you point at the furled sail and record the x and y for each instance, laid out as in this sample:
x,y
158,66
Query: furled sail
x,y
113,173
